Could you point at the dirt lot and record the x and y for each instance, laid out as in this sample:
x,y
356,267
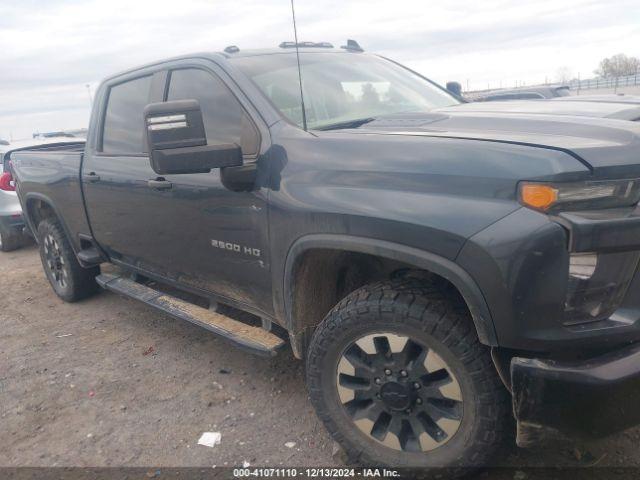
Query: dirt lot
x,y
109,382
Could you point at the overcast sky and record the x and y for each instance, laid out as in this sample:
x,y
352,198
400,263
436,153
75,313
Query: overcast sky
x,y
51,49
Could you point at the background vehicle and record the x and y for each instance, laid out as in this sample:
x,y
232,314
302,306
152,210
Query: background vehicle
x,y
75,133
11,223
426,257
607,98
522,93
569,106
623,107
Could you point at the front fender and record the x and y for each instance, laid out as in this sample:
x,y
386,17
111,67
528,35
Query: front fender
x,y
394,251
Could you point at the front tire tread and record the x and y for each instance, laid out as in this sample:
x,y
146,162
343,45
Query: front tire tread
x,y
440,315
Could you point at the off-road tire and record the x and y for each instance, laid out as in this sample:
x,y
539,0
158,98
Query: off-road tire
x,y
424,312
9,241
78,282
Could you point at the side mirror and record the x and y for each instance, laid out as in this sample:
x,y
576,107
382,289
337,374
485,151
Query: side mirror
x,y
178,143
455,88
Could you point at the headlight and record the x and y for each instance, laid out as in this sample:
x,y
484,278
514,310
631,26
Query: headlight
x,y
597,284
550,197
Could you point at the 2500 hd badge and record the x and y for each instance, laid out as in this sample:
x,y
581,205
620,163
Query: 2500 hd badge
x,y
234,247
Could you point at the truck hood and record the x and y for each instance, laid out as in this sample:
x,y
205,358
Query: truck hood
x,y
599,143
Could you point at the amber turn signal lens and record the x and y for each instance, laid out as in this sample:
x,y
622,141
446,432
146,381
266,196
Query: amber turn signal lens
x,y
538,196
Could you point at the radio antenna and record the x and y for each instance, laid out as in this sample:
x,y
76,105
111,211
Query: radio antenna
x,y
295,35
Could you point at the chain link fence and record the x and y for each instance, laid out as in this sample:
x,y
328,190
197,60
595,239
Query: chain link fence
x,y
611,83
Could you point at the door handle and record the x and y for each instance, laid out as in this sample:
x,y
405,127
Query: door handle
x,y
91,177
160,184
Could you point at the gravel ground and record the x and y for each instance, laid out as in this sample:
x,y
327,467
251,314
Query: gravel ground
x,y
110,382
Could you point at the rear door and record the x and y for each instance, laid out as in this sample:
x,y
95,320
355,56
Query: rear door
x,y
201,233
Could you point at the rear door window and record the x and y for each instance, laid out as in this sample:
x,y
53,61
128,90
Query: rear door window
x,y
124,122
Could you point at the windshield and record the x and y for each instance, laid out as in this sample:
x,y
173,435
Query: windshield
x,y
340,88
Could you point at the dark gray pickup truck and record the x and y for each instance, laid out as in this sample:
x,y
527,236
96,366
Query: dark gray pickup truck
x,y
441,268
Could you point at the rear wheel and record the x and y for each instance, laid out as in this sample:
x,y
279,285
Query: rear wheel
x,y
69,279
399,378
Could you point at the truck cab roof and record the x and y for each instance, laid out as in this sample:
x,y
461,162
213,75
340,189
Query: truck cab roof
x,y
232,51
287,46
281,51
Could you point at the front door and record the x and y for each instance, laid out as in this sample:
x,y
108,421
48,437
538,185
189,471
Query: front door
x,y
198,232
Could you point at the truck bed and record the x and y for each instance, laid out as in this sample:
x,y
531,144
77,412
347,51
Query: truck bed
x,y
52,173
71,146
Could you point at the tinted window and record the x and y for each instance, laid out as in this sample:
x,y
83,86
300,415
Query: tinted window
x,y
123,123
225,121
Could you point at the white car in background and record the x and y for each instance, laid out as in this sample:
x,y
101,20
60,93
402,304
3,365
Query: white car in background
x,y
12,227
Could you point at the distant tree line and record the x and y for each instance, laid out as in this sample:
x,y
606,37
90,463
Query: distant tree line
x,y
618,66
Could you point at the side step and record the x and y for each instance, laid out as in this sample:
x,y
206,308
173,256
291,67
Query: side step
x,y
253,339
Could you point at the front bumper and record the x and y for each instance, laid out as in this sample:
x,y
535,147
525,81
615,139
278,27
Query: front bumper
x,y
578,399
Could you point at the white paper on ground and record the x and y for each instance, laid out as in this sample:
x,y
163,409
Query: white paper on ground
x,y
210,439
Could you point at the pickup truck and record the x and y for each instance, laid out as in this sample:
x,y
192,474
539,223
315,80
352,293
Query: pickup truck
x,y
441,268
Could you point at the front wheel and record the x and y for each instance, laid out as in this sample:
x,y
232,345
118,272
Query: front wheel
x,y
399,378
69,279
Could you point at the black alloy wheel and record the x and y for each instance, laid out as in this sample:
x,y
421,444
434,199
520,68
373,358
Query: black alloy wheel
x,y
399,392
55,262
70,280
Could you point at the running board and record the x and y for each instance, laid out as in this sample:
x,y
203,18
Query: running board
x,y
253,339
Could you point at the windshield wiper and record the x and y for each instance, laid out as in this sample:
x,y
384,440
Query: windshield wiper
x,y
347,124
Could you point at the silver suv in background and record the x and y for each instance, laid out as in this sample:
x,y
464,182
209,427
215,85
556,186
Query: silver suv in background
x,y
11,223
